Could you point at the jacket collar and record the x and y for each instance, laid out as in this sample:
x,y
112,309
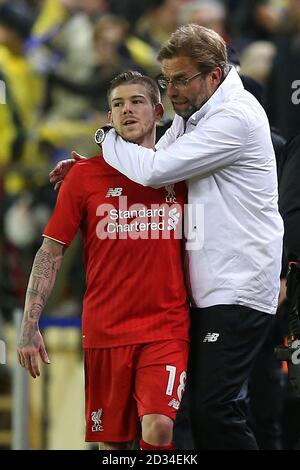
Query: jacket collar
x,y
230,85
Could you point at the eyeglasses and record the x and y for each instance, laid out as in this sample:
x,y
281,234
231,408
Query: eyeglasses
x,y
178,83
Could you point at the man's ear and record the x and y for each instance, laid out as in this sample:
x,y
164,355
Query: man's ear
x,y
109,117
216,75
159,112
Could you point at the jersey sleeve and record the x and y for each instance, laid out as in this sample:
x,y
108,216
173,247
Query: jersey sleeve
x,y
68,212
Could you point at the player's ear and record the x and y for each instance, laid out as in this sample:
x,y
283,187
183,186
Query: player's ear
x,y
109,117
159,112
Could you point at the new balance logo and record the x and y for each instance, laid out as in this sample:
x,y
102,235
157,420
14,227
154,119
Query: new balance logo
x,y
114,192
174,403
211,337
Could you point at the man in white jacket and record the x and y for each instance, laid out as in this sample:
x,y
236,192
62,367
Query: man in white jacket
x,y
220,144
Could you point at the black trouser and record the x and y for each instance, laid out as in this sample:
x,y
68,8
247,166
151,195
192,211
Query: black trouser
x,y
225,340
267,387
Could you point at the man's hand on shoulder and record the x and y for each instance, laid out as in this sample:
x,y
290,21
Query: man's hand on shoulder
x,y
58,174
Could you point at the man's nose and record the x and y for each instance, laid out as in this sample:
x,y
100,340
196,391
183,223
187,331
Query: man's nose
x,y
171,90
127,108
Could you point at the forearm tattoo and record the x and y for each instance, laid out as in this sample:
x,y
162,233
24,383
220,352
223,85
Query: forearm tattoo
x,y
41,282
43,264
28,331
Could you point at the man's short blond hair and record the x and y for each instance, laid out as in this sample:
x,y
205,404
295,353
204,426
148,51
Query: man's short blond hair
x,y
202,45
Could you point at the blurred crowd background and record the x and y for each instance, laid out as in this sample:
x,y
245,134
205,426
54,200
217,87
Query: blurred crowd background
x,y
57,58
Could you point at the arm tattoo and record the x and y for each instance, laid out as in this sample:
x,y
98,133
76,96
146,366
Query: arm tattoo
x,y
43,274
35,311
34,292
41,282
28,331
43,263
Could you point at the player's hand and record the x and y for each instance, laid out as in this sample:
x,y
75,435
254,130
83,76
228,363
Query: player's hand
x,y
59,172
30,347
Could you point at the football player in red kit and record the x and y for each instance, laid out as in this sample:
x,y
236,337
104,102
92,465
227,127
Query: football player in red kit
x,y
135,318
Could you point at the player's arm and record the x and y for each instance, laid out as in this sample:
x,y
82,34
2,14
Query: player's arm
x,y
42,278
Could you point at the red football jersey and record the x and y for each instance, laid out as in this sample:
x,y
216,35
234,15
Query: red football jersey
x,y
132,253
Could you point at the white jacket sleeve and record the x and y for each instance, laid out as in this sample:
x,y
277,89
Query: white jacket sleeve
x,y
215,143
